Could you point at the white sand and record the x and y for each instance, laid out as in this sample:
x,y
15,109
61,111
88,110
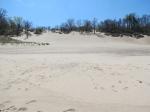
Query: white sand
x,y
76,73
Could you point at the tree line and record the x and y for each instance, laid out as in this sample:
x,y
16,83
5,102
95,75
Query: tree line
x,y
131,25
16,26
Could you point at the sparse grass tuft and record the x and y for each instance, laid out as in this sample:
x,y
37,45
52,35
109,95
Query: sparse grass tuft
x,y
4,40
9,40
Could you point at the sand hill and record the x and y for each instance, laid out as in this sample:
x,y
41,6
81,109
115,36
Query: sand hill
x,y
75,73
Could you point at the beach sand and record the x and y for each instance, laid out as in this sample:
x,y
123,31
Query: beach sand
x,y
76,73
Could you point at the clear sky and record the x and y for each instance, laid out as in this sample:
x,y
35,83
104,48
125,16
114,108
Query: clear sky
x,y
53,12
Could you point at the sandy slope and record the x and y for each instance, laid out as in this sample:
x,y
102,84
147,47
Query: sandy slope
x,y
76,73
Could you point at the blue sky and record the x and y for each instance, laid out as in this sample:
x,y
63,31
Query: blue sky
x,y
53,12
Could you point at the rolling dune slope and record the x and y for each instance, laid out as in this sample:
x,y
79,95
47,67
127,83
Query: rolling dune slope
x,y
76,73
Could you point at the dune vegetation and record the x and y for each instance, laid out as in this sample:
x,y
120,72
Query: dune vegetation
x,y
77,66
131,25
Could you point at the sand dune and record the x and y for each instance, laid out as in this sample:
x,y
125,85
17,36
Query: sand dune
x,y
76,73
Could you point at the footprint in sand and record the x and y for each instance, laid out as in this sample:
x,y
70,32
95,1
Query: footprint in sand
x,y
70,110
95,88
102,88
32,101
19,88
11,108
39,111
125,88
120,82
140,81
113,86
98,68
26,89
114,90
2,105
23,109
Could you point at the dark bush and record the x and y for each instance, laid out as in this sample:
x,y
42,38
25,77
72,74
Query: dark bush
x,y
38,31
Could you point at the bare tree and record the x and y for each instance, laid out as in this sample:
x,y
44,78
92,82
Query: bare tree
x,y
49,28
71,24
87,26
19,25
65,28
3,21
27,26
12,27
132,22
2,13
79,25
94,24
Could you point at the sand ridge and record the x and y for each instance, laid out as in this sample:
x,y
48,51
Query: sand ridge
x,y
75,73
